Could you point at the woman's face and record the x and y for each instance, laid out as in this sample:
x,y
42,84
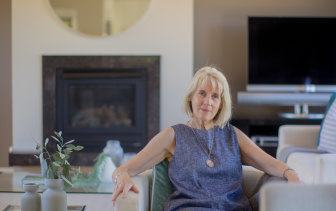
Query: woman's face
x,y
205,102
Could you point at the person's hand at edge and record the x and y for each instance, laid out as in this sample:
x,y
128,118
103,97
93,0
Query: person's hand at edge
x,y
123,184
291,175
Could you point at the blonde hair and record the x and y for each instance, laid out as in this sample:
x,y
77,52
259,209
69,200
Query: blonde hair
x,y
217,80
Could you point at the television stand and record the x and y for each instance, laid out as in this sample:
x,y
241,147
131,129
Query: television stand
x,y
300,100
301,111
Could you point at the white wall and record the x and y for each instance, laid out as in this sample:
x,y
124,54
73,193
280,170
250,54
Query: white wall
x,y
166,30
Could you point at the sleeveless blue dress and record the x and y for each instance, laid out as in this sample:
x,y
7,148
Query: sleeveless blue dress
x,y
198,187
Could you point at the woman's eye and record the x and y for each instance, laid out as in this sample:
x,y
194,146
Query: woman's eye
x,y
202,93
215,96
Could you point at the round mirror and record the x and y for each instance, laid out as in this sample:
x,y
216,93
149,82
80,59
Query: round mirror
x,y
100,17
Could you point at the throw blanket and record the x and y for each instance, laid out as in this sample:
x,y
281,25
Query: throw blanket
x,y
287,150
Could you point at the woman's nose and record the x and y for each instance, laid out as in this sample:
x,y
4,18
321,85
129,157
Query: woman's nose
x,y
208,100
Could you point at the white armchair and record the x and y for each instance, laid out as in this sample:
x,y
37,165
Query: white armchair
x,y
299,142
297,197
252,181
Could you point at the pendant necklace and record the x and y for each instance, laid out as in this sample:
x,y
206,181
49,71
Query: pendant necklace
x,y
208,162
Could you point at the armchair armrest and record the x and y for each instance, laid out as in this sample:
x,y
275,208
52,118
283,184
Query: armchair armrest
x,y
140,201
294,196
298,135
251,179
325,168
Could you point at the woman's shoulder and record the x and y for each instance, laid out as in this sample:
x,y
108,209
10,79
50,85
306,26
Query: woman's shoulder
x,y
178,126
169,131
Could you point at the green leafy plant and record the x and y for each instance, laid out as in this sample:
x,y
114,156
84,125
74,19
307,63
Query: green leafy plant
x,y
56,165
89,180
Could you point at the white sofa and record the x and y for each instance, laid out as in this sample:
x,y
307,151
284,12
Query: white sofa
x,y
312,167
252,180
297,197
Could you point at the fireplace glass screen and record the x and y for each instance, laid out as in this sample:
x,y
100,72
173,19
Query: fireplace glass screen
x,y
94,106
101,106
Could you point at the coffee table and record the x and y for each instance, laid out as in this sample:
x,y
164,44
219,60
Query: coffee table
x,y
94,198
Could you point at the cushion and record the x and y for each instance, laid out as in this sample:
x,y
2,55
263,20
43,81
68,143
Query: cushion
x,y
327,136
161,186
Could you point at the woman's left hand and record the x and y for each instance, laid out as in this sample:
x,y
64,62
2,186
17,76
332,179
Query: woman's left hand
x,y
292,176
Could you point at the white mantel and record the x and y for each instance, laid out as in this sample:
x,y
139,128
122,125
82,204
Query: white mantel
x,y
166,30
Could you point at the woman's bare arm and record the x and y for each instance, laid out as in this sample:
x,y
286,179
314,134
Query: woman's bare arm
x,y
252,155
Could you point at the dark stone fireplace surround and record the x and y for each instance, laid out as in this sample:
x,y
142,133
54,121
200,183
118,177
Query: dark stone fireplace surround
x,y
49,66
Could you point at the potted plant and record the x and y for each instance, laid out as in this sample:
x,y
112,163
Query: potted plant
x,y
56,170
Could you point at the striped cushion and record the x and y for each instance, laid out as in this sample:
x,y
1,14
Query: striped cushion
x,y
327,137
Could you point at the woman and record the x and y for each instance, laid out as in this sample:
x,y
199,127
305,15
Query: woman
x,y
205,154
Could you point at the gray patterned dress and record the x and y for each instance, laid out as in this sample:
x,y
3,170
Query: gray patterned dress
x,y
198,187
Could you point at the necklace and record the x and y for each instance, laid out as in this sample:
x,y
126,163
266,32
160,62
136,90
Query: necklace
x,y
208,162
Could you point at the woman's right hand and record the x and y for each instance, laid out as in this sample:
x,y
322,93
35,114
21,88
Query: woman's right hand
x,y
123,184
161,146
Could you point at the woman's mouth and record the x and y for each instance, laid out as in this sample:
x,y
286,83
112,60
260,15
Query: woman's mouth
x,y
205,110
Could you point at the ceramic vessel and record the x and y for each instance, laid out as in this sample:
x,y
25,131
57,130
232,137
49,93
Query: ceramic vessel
x,y
30,200
54,198
106,169
115,151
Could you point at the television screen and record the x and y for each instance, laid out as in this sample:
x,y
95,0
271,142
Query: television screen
x,y
291,51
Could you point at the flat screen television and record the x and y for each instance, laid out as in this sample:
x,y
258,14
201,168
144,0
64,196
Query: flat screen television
x,y
292,54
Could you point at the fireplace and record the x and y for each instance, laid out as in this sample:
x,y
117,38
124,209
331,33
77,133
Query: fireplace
x,y
95,105
93,99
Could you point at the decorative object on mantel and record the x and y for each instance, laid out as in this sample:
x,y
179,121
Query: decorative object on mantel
x,y
106,169
30,200
56,168
115,151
